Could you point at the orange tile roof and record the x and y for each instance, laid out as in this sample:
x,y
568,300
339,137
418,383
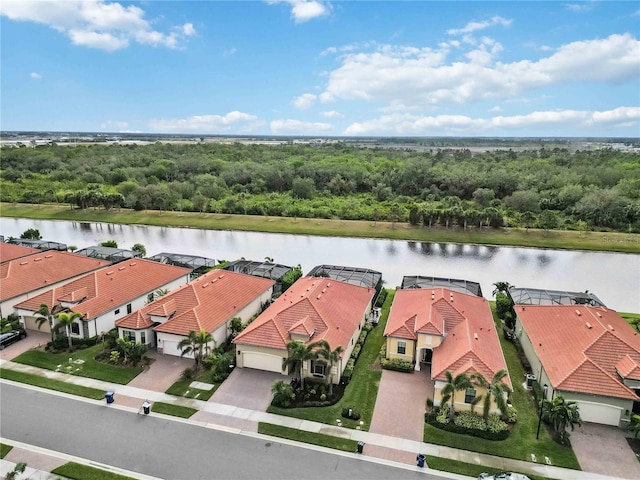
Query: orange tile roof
x,y
203,304
9,251
103,290
470,341
331,308
43,269
627,368
573,341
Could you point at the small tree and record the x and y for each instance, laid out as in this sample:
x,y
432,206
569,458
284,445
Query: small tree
x,y
298,353
140,248
496,390
323,350
196,344
236,326
109,243
454,384
282,394
561,414
46,315
64,321
31,234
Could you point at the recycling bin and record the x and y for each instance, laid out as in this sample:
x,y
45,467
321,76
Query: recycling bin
x,y
109,397
420,460
360,446
146,408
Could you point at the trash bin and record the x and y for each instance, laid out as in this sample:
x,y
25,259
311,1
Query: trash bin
x,y
109,397
360,446
420,460
146,407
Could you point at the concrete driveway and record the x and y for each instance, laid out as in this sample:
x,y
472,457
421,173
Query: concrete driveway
x,y
163,372
604,449
248,388
34,339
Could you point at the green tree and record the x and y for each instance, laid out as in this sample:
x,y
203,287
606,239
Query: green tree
x,y
322,350
282,394
503,287
46,315
496,390
197,344
291,277
561,414
64,320
109,243
634,425
297,354
31,234
303,188
453,384
236,326
140,248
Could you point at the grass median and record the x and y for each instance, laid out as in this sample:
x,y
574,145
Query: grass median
x,y
468,469
51,384
320,439
4,449
78,471
170,409
561,239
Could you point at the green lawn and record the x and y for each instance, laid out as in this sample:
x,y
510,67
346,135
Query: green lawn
x,y
170,409
522,440
89,368
562,239
57,385
308,437
361,393
462,468
4,449
182,389
84,472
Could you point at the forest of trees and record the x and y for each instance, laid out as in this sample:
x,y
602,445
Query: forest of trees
x,y
543,188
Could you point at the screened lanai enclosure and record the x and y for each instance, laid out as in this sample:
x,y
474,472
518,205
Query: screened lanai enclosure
x,y
272,271
534,296
197,264
353,275
110,254
462,286
39,244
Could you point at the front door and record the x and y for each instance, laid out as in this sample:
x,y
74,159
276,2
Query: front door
x,y
427,355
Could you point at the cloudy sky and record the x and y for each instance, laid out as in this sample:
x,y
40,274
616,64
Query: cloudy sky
x,y
314,67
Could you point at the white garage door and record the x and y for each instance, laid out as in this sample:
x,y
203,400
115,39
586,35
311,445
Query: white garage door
x,y
31,324
262,361
599,413
171,348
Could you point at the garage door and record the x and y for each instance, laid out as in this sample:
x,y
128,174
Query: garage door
x,y
31,324
262,361
600,413
171,348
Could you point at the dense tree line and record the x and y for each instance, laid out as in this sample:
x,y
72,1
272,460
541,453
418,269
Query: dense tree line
x,y
543,187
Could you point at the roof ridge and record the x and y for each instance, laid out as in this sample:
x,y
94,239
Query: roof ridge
x,y
611,377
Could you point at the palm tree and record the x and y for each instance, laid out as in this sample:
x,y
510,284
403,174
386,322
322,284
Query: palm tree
x,y
494,390
46,314
298,353
501,287
65,319
323,350
454,384
196,344
561,414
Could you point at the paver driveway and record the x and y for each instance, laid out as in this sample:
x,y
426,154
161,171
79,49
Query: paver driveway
x,y
163,372
400,405
604,449
247,388
34,339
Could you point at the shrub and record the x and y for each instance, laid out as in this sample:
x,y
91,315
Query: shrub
x,y
383,351
468,423
512,415
470,420
350,412
348,371
397,365
188,374
367,327
363,337
356,351
381,297
282,394
442,416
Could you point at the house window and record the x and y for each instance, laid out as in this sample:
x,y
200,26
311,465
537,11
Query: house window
x,y
143,337
318,369
469,395
75,328
117,311
129,335
128,308
402,348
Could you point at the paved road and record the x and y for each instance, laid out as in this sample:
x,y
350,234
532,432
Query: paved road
x,y
169,449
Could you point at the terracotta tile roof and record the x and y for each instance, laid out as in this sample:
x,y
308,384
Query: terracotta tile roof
x,y
42,269
627,368
9,251
103,290
303,327
333,309
565,336
203,304
470,341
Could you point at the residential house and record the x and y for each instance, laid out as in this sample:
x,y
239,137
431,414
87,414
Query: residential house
x,y
26,277
207,303
104,296
312,309
9,251
445,330
585,353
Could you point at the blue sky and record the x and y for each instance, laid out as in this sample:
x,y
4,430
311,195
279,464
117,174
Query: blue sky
x,y
311,67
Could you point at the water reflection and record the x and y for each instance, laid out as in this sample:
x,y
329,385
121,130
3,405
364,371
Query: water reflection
x,y
613,277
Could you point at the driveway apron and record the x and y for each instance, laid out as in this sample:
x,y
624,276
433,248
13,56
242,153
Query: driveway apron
x,y
247,388
162,373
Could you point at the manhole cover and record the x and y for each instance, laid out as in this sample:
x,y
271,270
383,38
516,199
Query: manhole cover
x,y
268,444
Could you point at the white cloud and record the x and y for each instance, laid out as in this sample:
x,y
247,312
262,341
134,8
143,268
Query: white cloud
x,y
555,120
112,125
35,75
496,108
95,23
475,26
239,121
578,7
288,126
229,52
305,10
305,101
331,114
423,77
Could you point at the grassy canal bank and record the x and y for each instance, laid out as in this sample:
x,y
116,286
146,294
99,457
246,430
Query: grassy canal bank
x,y
559,239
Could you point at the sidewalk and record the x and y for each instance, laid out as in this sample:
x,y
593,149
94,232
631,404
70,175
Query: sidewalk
x,y
370,438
